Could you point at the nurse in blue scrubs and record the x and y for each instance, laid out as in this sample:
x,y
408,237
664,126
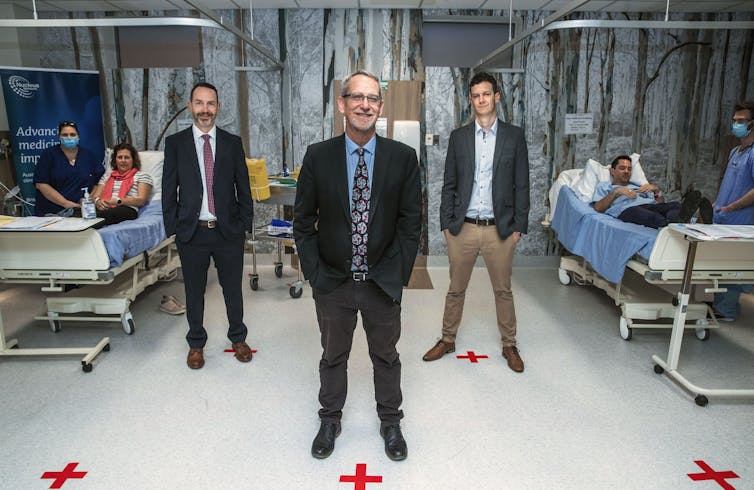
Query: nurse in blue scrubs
x,y
63,170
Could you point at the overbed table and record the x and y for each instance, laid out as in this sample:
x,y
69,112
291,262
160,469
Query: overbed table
x,y
696,234
10,347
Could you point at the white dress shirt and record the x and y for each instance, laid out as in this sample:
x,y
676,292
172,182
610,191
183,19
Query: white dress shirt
x,y
480,205
204,214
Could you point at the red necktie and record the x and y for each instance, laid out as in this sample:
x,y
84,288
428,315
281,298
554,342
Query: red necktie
x,y
209,173
360,214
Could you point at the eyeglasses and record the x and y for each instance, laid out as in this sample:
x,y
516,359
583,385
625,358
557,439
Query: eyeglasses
x,y
357,98
741,121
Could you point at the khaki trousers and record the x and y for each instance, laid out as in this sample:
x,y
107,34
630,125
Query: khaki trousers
x,y
463,250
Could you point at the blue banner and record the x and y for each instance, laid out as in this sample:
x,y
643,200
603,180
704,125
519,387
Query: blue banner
x,y
36,100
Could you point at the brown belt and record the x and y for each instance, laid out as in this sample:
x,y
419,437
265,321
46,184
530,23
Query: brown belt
x,y
480,221
208,224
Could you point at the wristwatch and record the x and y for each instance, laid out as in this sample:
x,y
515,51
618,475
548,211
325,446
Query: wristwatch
x,y
119,201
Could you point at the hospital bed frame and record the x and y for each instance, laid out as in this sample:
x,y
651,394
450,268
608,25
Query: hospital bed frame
x,y
80,258
642,306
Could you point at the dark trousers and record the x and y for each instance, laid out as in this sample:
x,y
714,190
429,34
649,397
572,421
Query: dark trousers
x,y
117,214
652,215
381,318
228,258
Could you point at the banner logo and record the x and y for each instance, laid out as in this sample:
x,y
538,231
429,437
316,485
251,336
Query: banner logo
x,y
22,86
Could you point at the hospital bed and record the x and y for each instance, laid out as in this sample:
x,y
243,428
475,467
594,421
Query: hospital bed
x,y
111,266
640,268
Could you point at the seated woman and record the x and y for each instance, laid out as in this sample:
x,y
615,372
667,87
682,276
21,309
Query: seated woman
x,y
63,170
119,196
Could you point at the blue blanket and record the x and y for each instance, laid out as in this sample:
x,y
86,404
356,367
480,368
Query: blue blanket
x,y
605,242
130,238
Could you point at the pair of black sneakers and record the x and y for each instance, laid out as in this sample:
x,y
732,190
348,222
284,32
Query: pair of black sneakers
x,y
692,202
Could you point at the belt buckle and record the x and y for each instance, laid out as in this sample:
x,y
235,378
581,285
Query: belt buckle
x,y
359,276
211,224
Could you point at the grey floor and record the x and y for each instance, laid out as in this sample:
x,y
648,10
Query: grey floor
x,y
588,412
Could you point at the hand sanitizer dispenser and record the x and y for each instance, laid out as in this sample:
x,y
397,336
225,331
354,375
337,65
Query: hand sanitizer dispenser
x,y
88,211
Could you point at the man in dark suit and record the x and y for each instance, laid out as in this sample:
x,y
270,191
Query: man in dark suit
x,y
206,203
484,209
357,221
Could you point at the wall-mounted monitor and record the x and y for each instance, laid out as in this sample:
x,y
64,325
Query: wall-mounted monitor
x,y
463,40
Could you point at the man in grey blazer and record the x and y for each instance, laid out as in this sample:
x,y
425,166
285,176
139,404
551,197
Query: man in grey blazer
x,y
206,203
484,209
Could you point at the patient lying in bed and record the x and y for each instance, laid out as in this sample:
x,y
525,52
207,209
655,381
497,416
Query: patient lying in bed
x,y
643,204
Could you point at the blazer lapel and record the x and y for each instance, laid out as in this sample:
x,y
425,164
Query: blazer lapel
x,y
190,146
469,163
498,157
340,175
381,155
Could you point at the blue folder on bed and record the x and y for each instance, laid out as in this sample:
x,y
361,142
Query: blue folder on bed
x,y
605,242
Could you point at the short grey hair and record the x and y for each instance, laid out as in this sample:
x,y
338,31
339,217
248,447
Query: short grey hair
x,y
347,81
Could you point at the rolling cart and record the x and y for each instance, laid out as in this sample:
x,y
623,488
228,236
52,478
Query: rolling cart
x,y
280,195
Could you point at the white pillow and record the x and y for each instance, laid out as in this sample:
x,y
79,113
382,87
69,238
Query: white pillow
x,y
595,172
151,163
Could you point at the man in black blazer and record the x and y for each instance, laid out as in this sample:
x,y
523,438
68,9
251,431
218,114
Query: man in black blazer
x,y
484,209
206,203
357,221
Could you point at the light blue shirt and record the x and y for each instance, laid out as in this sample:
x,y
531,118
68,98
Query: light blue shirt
x,y
737,181
621,203
480,205
204,214
352,161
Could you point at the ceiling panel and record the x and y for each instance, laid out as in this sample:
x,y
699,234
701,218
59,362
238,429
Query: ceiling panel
x,y
451,4
335,4
547,5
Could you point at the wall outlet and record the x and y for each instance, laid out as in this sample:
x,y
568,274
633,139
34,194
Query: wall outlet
x,y
429,139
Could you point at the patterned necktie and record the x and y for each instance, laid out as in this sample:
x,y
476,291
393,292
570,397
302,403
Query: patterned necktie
x,y
360,214
209,173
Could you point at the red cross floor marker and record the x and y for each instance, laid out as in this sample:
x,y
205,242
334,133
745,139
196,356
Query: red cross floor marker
x,y
360,479
472,357
710,474
61,476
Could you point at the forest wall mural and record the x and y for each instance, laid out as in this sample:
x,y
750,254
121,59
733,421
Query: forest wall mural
x,y
664,93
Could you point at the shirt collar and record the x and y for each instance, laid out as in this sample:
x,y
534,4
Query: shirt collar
x,y
492,131
369,147
198,132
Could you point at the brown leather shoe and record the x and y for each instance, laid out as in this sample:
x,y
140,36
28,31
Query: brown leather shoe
x,y
514,360
440,349
195,358
243,351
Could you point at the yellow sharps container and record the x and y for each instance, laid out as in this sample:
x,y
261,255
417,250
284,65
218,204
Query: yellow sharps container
x,y
258,180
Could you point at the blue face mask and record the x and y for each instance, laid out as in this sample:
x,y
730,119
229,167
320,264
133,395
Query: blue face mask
x,y
740,130
69,143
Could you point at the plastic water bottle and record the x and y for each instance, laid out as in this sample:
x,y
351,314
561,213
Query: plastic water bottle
x,y
88,211
285,169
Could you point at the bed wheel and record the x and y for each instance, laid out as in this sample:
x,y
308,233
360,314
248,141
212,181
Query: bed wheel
x,y
128,323
87,368
701,400
55,326
564,277
702,333
254,282
626,332
659,369
278,269
296,292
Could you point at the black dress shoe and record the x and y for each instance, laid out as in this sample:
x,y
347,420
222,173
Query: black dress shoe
x,y
324,442
395,444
